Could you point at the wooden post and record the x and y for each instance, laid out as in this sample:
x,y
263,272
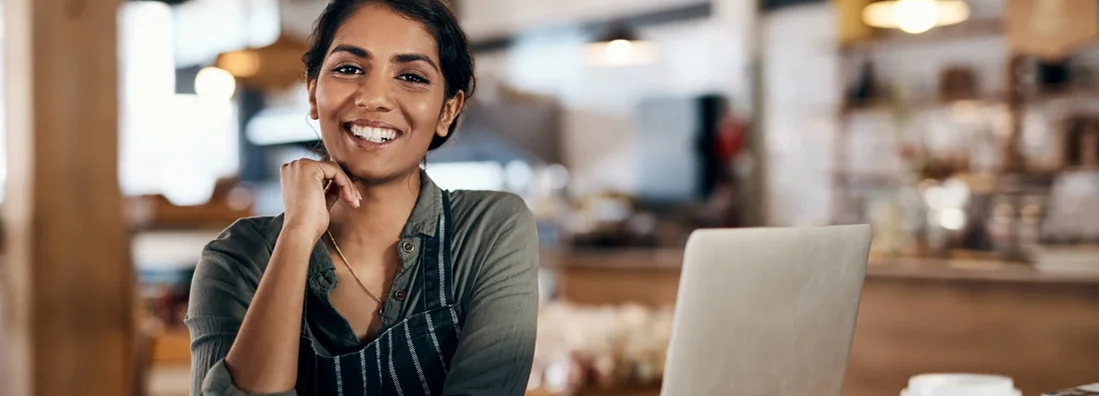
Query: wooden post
x,y
69,326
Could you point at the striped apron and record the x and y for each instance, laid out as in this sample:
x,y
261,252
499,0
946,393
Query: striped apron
x,y
408,358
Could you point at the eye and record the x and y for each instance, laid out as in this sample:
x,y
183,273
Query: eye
x,y
412,78
347,69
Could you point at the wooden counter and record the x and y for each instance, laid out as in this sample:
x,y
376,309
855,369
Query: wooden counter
x,y
1041,330
639,276
916,316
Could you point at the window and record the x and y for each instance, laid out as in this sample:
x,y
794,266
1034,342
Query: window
x,y
176,145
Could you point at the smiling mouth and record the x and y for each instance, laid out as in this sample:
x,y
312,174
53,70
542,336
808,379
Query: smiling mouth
x,y
372,134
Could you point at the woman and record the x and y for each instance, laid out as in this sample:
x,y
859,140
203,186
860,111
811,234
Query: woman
x,y
373,280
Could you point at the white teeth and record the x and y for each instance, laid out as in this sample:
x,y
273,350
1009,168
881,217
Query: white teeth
x,y
376,135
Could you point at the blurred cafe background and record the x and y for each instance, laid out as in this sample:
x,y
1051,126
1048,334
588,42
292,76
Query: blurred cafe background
x,y
965,131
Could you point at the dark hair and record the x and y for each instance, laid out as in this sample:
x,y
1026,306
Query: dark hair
x,y
454,55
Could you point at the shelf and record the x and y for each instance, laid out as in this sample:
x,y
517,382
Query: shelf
x,y
891,39
920,106
1070,95
984,101
864,180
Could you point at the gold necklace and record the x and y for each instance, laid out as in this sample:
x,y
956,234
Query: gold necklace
x,y
347,264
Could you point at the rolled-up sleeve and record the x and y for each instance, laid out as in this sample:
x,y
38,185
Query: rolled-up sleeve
x,y
222,287
496,349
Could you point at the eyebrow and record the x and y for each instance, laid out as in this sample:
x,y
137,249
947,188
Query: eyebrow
x,y
409,58
399,58
351,49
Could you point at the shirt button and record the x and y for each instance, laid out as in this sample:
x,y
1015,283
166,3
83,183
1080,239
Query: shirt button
x,y
408,246
400,294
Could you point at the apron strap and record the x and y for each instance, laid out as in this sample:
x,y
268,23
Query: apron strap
x,y
307,359
438,266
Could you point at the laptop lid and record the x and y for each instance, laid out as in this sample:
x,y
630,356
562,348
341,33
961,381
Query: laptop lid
x,y
768,311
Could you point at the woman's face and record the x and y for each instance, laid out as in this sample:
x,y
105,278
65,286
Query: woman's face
x,y
380,95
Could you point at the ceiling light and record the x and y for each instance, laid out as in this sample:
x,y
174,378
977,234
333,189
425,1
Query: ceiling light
x,y
241,64
620,47
215,84
915,16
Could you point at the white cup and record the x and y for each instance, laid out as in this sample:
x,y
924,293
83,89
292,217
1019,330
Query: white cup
x,y
960,385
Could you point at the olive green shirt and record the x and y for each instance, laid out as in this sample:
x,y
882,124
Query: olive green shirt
x,y
494,251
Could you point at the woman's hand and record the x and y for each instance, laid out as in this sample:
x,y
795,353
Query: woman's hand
x,y
309,189
263,358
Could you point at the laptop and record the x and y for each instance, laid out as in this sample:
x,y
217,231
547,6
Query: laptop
x,y
765,312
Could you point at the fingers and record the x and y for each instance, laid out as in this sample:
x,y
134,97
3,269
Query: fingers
x,y
334,180
332,193
331,171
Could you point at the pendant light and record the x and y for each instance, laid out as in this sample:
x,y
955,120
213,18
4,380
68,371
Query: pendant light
x,y
620,46
274,66
915,16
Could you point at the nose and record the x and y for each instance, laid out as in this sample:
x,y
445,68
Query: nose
x,y
374,92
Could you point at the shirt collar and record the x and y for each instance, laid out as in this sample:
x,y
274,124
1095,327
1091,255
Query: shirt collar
x,y
425,214
424,220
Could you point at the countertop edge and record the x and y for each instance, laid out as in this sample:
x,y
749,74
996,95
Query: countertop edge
x,y
878,268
